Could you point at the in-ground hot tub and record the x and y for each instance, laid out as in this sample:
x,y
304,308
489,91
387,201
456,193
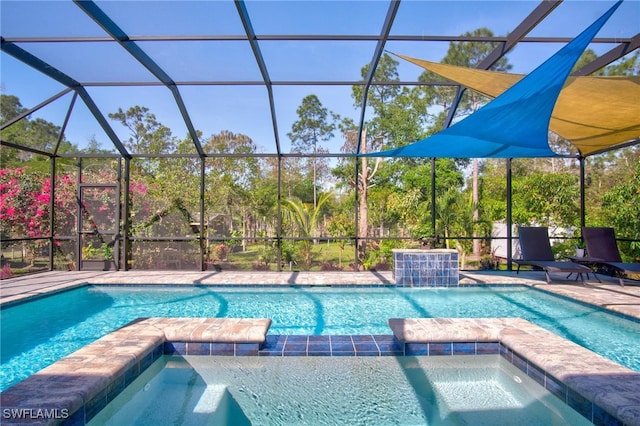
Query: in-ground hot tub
x,y
449,390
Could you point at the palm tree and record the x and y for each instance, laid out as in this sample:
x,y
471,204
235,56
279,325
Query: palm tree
x,y
306,218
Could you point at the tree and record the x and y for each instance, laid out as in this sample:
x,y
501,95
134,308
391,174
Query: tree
x,y
416,183
147,135
264,199
95,147
628,65
549,199
312,128
363,181
622,211
447,213
25,205
340,226
33,133
232,179
306,218
383,128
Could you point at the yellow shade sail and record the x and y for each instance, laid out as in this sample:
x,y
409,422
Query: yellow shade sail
x,y
593,113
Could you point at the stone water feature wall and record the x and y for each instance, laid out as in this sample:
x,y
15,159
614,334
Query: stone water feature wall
x,y
426,268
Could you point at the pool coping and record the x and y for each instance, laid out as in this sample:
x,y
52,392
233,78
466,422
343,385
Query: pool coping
x,y
77,387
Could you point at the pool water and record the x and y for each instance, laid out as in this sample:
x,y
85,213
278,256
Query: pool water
x,y
455,390
38,333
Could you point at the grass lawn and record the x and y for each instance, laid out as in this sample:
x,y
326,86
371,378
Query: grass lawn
x,y
325,256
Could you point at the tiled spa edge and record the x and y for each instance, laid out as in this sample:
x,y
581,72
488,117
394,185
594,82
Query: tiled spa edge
x,y
601,390
77,387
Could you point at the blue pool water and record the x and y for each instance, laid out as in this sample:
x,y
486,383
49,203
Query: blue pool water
x,y
38,333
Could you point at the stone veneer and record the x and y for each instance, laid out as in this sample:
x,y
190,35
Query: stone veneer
x,y
425,268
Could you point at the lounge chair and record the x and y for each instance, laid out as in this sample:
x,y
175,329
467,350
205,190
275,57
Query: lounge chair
x,y
601,244
536,251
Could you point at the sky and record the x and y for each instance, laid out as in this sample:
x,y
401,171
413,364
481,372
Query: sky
x,y
241,105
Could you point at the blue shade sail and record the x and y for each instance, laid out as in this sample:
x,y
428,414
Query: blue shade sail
x,y
514,124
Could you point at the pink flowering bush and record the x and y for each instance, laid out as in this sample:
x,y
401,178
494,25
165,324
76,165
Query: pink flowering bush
x,y
6,272
25,205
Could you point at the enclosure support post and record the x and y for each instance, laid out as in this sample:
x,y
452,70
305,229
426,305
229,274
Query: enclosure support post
x,y
203,244
433,197
509,218
79,216
356,263
279,218
125,214
582,193
52,213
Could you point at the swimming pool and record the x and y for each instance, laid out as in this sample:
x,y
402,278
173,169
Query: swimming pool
x,y
40,332
452,390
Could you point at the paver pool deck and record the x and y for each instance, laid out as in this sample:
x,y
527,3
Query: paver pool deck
x,y
603,391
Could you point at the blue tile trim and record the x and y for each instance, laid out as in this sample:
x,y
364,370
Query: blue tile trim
x,y
319,347
246,349
519,362
413,268
588,409
342,347
175,348
85,413
197,348
601,417
297,339
365,347
203,348
585,407
116,387
507,353
222,349
97,403
343,353
556,387
487,348
226,286
131,374
581,404
536,374
76,418
415,349
440,349
460,348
